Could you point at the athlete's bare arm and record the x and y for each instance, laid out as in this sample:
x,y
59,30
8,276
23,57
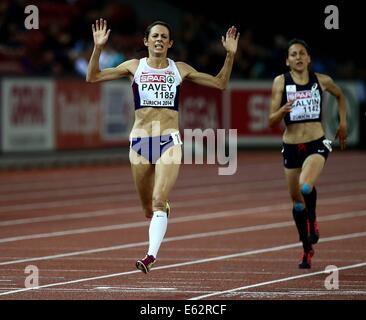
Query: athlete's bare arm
x,y
329,85
278,112
220,81
94,74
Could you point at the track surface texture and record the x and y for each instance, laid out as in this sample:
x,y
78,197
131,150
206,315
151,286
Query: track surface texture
x,y
229,237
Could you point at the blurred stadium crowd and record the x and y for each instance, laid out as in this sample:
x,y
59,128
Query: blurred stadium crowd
x,y
62,45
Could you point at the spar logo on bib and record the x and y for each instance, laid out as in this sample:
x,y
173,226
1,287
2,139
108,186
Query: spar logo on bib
x,y
299,95
157,78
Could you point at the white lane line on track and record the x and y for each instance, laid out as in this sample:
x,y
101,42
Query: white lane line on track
x,y
127,187
136,289
182,190
177,204
207,216
182,264
123,210
218,293
121,188
314,294
114,176
97,199
186,237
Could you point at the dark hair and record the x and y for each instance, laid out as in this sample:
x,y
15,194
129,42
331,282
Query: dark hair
x,y
297,41
161,23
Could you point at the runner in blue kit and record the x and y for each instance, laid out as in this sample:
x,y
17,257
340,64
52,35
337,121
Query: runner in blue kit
x,y
155,143
297,98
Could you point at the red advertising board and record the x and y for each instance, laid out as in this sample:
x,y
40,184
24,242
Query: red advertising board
x,y
27,115
250,111
200,107
78,115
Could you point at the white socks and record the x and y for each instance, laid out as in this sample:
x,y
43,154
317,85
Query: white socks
x,y
158,226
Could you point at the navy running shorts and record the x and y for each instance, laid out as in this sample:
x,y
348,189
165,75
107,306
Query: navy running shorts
x,y
294,155
151,148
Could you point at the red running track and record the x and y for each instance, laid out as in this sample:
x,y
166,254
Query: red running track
x,y
228,238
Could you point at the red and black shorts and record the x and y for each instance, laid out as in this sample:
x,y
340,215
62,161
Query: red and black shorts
x,y
294,155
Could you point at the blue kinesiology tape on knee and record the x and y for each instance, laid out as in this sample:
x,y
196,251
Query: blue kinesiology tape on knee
x,y
299,206
305,189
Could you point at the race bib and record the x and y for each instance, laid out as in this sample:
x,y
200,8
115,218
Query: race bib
x,y
306,105
176,138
